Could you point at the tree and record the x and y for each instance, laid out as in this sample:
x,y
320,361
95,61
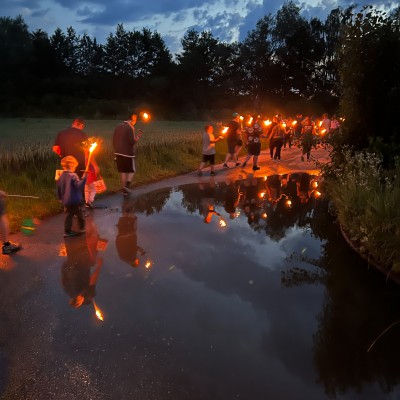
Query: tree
x,y
370,89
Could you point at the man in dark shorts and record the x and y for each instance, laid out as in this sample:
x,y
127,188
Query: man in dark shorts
x,y
69,142
124,142
233,139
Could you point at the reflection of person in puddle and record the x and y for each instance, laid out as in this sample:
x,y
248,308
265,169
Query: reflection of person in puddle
x,y
232,198
251,199
303,186
207,201
77,279
126,239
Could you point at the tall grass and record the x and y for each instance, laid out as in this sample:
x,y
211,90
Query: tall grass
x,y
27,163
366,199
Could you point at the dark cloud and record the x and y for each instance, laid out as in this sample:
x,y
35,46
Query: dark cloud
x,y
30,4
40,13
121,11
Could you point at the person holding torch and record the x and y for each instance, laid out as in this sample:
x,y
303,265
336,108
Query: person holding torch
x,y
209,141
124,143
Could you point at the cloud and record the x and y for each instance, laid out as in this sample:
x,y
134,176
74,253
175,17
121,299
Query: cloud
x,y
40,13
112,13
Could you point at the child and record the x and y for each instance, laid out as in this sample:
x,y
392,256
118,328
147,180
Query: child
x,y
90,190
208,149
8,247
70,190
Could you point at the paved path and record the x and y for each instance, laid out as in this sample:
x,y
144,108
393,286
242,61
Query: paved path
x,y
290,162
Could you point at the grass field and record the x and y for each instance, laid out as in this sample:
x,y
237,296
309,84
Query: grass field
x,y
27,163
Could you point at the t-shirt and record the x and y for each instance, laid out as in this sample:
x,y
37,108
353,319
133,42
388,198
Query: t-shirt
x,y
277,132
123,140
253,133
208,147
232,135
70,141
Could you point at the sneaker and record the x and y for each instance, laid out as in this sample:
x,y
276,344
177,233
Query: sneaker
x,y
11,247
89,206
226,166
70,233
256,168
212,173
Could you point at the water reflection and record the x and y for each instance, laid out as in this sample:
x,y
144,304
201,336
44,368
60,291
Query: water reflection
x,y
126,240
275,293
81,252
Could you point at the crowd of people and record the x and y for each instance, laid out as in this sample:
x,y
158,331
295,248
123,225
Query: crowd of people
x,y
279,132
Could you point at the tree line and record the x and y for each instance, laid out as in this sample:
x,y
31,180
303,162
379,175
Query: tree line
x,y
287,63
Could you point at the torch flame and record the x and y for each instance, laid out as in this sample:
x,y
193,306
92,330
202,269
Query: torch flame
x,y
222,223
250,121
224,130
323,131
145,116
320,123
92,147
288,203
315,184
99,314
317,194
294,123
262,194
264,215
267,122
148,264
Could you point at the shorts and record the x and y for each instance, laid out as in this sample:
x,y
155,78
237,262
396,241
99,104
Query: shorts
x,y
125,164
209,158
231,146
254,149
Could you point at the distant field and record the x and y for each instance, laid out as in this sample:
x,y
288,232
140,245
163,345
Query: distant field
x,y
43,131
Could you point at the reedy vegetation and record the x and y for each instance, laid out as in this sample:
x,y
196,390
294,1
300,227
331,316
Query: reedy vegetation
x,y
366,198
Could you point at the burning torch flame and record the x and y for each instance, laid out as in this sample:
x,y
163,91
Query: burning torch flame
x,y
145,115
99,314
323,131
92,147
315,184
317,194
222,223
267,122
262,194
320,123
224,130
250,121
148,264
264,215
294,123
288,203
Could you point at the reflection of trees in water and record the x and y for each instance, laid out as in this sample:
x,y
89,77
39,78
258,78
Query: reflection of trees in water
x,y
152,202
358,308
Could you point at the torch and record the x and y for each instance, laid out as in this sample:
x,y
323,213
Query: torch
x,y
92,147
98,312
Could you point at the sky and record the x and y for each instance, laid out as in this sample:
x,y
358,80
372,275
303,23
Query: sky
x,y
228,20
